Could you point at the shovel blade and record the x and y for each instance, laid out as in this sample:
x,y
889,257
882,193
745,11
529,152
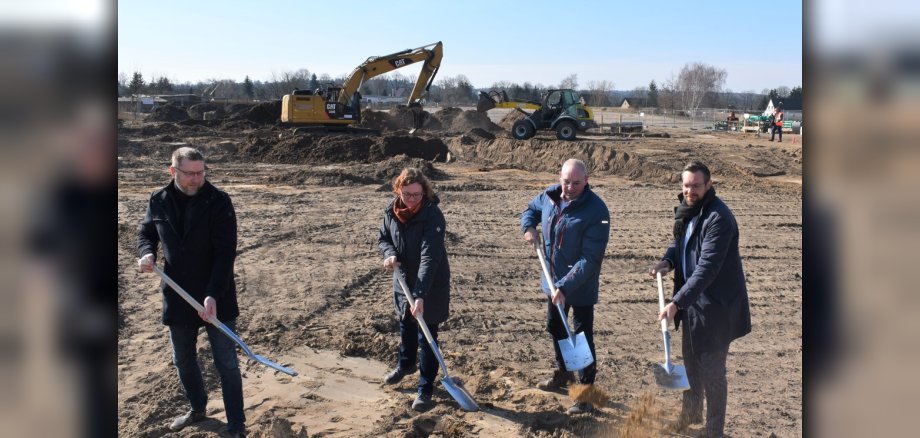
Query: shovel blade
x,y
577,356
265,361
674,378
459,393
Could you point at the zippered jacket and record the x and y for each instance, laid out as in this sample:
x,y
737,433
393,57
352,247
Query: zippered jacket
x,y
574,241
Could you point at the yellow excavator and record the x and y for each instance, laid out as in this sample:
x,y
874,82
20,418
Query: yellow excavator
x,y
339,108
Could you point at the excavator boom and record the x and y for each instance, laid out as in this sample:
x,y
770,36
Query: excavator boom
x,y
430,55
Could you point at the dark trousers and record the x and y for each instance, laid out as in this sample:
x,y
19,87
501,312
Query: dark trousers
x,y
412,337
779,130
185,357
583,319
706,374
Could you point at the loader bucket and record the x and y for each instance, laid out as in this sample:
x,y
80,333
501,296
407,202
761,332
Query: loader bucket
x,y
485,102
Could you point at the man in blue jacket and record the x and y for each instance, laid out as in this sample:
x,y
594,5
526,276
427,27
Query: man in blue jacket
x,y
710,295
575,224
196,225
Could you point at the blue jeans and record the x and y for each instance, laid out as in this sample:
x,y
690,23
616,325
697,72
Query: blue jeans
x,y
185,357
411,336
583,321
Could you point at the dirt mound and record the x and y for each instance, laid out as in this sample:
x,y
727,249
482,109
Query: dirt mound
x,y
197,111
472,119
263,113
448,115
329,149
545,155
378,120
404,118
508,121
167,113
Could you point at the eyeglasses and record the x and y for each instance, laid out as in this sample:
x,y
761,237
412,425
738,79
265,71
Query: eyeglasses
x,y
411,195
191,174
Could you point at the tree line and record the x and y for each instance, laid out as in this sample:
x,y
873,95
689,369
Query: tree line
x,y
697,85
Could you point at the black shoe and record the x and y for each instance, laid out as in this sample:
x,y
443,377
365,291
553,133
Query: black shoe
x,y
559,381
581,408
396,375
190,417
422,402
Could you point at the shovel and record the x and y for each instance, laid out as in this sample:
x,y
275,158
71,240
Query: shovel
x,y
455,389
575,350
223,328
668,375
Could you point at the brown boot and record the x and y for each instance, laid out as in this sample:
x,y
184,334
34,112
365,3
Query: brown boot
x,y
559,381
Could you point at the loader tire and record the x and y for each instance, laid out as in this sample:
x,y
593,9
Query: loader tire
x,y
565,130
522,130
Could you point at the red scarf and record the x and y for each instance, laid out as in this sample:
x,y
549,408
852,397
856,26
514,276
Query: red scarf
x,y
403,213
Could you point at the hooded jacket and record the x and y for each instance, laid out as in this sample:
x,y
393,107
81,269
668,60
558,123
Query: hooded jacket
x,y
199,257
574,241
713,299
419,248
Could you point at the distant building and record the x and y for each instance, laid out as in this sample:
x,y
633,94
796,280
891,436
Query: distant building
x,y
792,108
634,103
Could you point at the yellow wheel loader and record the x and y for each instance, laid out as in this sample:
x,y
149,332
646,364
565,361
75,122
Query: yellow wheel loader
x,y
560,111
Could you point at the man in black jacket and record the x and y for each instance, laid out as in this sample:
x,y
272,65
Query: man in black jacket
x,y
710,296
196,224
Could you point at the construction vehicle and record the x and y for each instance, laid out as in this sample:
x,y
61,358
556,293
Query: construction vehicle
x,y
561,111
339,107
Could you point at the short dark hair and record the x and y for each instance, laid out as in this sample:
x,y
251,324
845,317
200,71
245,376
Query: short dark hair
x,y
697,166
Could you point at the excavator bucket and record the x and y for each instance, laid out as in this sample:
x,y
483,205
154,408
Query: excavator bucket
x,y
486,102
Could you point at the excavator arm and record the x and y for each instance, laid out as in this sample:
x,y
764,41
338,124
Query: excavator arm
x,y
430,55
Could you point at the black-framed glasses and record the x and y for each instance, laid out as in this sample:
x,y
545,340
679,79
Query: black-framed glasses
x,y
192,174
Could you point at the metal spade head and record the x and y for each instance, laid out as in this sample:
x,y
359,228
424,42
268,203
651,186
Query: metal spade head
x,y
265,361
577,356
459,393
671,376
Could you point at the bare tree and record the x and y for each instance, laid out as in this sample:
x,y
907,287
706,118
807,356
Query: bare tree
x,y
570,81
695,81
782,91
598,93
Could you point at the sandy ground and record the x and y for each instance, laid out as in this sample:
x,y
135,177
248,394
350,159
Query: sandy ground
x,y
314,296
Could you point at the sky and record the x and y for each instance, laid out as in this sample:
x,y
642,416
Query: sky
x,y
628,43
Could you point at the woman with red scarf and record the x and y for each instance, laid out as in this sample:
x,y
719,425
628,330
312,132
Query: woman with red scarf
x,y
412,238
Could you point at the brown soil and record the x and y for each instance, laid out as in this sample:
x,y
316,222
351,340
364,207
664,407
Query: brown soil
x,y
314,295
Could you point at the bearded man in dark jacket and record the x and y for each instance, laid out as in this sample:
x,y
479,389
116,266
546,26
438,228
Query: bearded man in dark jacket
x,y
710,296
196,224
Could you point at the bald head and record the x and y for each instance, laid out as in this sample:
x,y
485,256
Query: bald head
x,y
573,178
574,164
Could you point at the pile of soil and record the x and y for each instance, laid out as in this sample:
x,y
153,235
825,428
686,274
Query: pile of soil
x,y
326,149
472,119
545,155
448,115
378,120
380,173
263,113
508,121
197,111
404,118
168,113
